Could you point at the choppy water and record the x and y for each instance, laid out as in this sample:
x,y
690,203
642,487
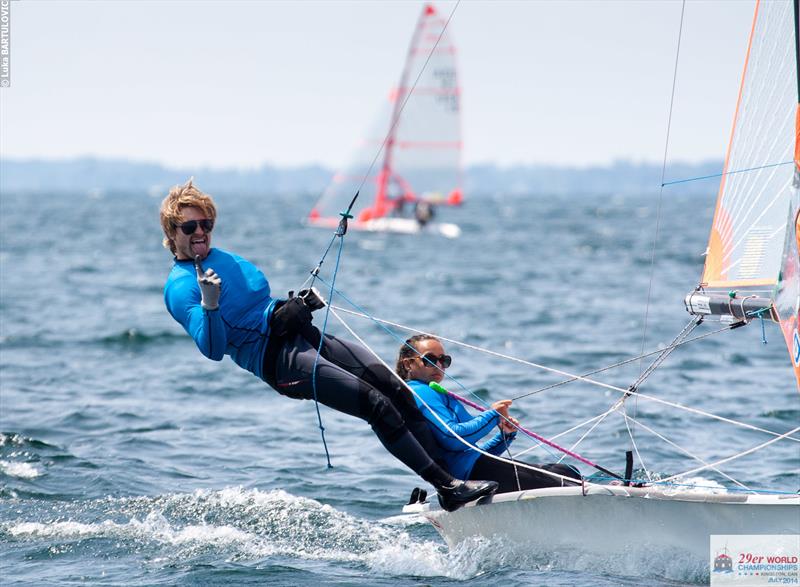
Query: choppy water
x,y
126,458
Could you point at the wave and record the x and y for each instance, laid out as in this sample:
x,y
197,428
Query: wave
x,y
132,337
242,525
19,470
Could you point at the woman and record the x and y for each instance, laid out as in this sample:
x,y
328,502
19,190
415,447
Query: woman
x,y
422,360
228,309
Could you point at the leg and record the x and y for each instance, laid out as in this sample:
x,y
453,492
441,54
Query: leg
x,y
343,391
360,362
513,478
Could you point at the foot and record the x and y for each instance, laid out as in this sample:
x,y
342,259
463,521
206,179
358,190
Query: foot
x,y
459,492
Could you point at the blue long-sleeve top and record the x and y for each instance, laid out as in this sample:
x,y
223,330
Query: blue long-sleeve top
x,y
240,326
458,458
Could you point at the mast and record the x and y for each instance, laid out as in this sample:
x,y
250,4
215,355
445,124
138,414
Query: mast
x,y
399,97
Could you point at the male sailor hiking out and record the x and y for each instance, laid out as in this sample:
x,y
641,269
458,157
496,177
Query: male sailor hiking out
x,y
228,309
422,360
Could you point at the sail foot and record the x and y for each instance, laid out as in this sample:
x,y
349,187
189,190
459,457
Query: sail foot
x,y
699,303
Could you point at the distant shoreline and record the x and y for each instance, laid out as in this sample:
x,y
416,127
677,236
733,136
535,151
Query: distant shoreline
x,y
93,174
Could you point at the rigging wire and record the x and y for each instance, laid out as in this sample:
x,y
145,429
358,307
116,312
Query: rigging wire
x,y
684,451
392,127
627,419
663,172
582,377
362,313
736,456
658,208
341,230
465,442
677,181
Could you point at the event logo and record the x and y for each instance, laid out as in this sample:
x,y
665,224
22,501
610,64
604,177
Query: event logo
x,y
755,559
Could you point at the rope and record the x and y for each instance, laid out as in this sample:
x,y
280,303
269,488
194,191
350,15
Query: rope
x,y
621,363
663,172
322,343
527,432
736,456
341,230
684,451
596,424
626,419
658,212
687,330
598,418
726,173
441,421
362,313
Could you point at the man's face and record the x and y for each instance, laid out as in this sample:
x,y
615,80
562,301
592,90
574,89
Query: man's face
x,y
198,242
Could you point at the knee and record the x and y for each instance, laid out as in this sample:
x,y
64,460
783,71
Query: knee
x,y
381,414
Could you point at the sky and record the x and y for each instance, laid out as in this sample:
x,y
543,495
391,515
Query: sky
x,y
241,84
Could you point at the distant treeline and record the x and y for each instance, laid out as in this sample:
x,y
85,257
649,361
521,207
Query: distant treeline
x,y
112,175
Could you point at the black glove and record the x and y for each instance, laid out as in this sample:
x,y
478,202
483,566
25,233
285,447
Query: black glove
x,y
312,299
290,317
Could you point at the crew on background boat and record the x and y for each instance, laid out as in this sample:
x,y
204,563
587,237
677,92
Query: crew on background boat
x,y
228,309
422,359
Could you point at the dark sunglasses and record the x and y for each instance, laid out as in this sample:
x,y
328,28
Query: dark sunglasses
x,y
430,359
190,226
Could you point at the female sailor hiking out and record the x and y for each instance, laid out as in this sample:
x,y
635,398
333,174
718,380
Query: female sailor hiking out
x,y
422,360
228,309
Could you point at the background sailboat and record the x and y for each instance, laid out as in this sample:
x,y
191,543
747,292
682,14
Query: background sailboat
x,y
417,140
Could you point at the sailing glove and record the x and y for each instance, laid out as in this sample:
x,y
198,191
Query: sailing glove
x,y
290,317
312,298
210,285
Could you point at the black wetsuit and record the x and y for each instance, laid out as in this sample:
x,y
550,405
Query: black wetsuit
x,y
350,380
513,478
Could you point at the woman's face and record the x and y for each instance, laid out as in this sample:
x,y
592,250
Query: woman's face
x,y
189,246
423,370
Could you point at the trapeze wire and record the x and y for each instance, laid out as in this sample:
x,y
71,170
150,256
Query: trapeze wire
x,y
536,365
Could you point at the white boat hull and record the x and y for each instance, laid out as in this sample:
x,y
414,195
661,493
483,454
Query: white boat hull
x,y
617,520
394,225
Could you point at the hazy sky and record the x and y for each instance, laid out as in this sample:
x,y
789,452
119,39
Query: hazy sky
x,y
244,83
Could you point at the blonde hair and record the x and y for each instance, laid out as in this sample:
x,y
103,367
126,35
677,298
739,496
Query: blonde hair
x,y
180,197
409,350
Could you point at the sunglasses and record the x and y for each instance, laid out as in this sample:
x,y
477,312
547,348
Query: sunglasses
x,y
430,359
190,226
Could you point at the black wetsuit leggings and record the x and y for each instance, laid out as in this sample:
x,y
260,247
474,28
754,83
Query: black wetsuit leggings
x,y
513,478
350,380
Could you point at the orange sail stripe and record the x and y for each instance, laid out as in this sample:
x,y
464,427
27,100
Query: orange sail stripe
x,y
714,269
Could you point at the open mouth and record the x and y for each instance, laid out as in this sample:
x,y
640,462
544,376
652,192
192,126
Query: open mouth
x,y
199,244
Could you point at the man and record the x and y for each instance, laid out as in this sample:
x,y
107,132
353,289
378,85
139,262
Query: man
x,y
228,309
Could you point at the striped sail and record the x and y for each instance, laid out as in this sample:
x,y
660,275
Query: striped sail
x,y
420,131
752,265
749,230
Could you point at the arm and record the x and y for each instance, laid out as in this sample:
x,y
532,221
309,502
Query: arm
x,y
498,443
458,420
204,326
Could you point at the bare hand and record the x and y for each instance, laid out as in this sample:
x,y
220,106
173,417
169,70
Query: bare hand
x,y
509,426
502,407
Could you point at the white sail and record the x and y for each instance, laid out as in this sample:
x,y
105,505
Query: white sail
x,y
749,229
413,153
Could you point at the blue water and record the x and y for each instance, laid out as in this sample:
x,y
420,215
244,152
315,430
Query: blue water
x,y
127,458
